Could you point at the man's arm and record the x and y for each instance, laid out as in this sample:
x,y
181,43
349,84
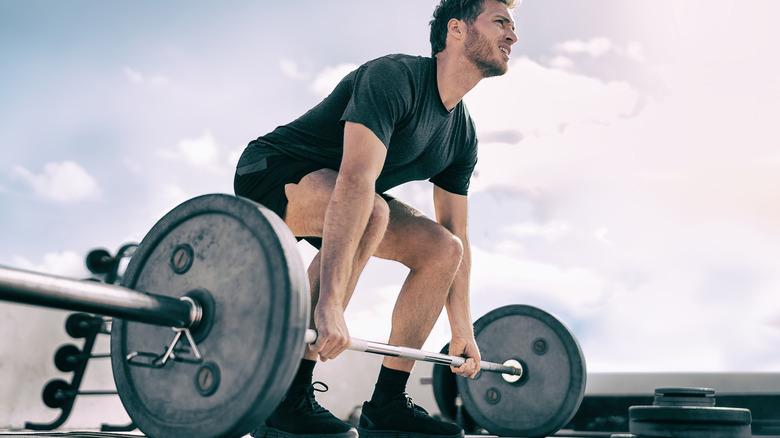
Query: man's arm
x,y
346,218
452,213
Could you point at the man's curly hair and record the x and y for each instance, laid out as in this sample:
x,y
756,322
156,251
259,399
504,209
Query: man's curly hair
x,y
465,10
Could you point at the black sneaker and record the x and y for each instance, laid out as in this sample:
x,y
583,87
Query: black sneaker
x,y
401,418
300,416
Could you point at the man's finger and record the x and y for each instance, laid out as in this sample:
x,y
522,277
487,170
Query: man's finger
x,y
468,369
330,349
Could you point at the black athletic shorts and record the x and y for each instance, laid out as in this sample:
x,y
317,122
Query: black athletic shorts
x,y
263,181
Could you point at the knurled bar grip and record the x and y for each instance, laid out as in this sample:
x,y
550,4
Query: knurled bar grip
x,y
414,354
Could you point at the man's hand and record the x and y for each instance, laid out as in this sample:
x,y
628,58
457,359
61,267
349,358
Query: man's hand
x,y
466,347
332,334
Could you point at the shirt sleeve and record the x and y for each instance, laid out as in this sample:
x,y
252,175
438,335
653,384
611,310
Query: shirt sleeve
x,y
456,177
381,97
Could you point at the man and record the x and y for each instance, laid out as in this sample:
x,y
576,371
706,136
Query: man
x,y
395,119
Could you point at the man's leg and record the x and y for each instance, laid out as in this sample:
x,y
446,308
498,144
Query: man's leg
x,y
299,415
305,216
433,256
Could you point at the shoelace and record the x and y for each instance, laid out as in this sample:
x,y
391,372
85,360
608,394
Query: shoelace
x,y
418,411
309,399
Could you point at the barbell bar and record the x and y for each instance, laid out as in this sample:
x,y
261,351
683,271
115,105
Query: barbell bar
x,y
120,302
94,297
515,369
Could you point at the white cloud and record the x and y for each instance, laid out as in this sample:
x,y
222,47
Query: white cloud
x,y
67,264
324,82
698,22
132,166
136,77
200,152
561,62
234,155
538,101
554,230
328,78
291,70
634,51
523,279
595,47
163,200
65,182
601,235
668,325
133,75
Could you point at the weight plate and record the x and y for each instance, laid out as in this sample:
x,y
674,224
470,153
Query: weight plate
x,y
689,422
548,395
689,414
684,397
245,267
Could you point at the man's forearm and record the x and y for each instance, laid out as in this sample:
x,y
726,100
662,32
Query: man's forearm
x,y
345,222
458,302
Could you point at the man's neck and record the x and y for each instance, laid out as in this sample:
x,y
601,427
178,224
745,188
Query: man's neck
x,y
455,77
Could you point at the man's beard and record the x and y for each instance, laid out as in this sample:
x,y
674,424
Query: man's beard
x,y
480,51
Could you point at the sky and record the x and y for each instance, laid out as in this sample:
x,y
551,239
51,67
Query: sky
x,y
628,177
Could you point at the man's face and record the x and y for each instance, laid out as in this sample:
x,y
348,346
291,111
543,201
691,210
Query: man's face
x,y
489,39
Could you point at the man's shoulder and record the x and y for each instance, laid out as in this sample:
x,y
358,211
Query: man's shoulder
x,y
401,61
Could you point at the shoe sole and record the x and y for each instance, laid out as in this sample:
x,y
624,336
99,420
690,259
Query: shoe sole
x,y
366,433
270,432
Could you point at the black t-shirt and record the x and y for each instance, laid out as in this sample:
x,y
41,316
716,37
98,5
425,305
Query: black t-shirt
x,y
397,98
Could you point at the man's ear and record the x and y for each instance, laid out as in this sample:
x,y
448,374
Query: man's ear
x,y
456,28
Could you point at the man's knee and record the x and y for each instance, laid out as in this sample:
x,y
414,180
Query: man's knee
x,y
451,247
380,217
440,250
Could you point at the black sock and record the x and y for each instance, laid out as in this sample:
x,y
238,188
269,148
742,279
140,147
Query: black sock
x,y
304,376
389,384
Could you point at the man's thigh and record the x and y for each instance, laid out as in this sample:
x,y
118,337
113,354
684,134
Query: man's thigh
x,y
410,233
409,236
307,201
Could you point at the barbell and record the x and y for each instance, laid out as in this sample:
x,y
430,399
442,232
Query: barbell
x,y
224,273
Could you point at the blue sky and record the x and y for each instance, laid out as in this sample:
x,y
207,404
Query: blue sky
x,y
629,164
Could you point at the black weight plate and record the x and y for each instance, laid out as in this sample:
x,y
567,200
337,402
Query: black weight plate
x,y
244,258
689,422
548,395
690,414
